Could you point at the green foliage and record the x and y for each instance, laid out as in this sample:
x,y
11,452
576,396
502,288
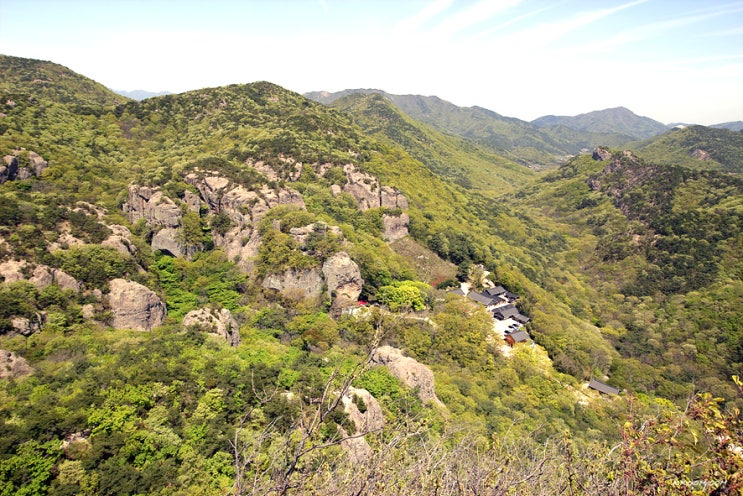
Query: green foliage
x,y
209,278
94,265
404,295
316,331
631,271
696,147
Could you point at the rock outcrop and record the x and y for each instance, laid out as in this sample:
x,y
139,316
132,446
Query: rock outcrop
x,y
153,206
219,322
120,240
44,276
395,227
296,284
12,270
169,240
343,279
369,193
302,234
700,154
134,306
41,276
372,419
411,372
25,326
13,366
11,168
601,154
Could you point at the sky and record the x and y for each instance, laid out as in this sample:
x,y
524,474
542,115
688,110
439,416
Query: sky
x,y
671,60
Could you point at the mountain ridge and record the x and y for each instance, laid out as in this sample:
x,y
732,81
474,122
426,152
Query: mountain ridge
x,y
293,246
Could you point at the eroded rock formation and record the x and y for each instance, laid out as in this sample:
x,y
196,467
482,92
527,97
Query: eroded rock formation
x,y
134,306
13,366
411,372
343,278
219,322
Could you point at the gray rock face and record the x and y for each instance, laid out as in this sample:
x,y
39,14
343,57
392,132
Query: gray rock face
x,y
369,193
120,240
134,306
12,270
602,154
168,239
372,419
343,278
41,276
301,234
25,326
13,366
411,372
36,163
216,322
245,208
9,169
150,204
395,226
296,284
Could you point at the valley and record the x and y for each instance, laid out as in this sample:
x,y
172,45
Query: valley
x,y
243,290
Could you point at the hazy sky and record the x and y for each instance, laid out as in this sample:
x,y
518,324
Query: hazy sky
x,y
672,60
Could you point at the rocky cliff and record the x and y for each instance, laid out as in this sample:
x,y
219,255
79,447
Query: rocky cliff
x,y
134,306
411,372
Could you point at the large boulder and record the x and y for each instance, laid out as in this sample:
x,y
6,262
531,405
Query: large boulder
x,y
25,326
170,240
219,322
372,419
13,366
36,163
9,168
395,227
134,306
153,206
343,279
411,372
296,284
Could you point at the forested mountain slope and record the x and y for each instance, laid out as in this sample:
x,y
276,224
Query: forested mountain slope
x,y
462,161
182,278
697,147
662,245
615,120
536,143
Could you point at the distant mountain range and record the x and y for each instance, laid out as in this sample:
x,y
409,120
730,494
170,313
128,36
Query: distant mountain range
x,y
547,140
543,141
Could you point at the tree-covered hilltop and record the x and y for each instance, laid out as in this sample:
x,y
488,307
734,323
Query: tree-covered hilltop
x,y
696,147
236,290
617,120
464,162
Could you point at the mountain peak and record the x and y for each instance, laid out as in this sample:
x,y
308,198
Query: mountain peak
x,y
620,120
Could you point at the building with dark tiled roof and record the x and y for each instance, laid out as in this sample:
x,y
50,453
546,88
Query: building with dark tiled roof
x,y
602,387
